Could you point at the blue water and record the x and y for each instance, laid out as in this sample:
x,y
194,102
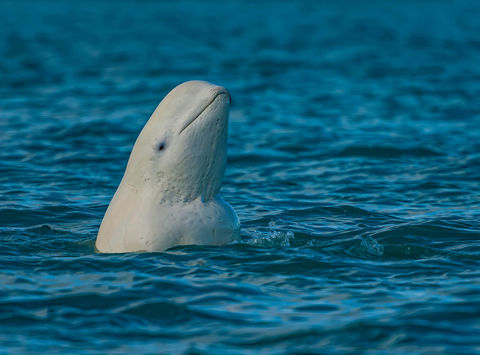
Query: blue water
x,y
354,166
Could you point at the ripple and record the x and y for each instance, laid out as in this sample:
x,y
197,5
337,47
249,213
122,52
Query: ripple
x,y
385,152
353,165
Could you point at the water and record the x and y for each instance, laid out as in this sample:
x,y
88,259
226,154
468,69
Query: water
x,y
354,166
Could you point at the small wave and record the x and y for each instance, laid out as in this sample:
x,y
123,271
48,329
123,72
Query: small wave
x,y
91,129
343,210
159,310
20,217
383,152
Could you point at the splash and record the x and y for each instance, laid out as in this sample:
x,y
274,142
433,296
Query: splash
x,y
372,246
271,237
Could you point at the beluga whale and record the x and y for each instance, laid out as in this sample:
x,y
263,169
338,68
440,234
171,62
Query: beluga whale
x,y
169,193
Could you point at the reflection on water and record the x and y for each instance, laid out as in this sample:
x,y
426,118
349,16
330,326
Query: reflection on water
x,y
353,164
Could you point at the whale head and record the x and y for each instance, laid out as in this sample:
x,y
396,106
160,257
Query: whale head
x,y
181,152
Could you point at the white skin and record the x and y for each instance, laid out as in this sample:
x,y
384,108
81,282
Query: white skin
x,y
169,193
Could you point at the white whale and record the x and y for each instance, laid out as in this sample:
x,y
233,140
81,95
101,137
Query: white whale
x,y
169,193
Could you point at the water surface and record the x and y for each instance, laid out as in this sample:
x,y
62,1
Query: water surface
x,y
354,166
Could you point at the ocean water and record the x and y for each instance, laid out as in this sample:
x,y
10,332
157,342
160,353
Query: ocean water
x,y
354,166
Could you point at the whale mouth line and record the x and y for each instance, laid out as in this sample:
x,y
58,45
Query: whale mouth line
x,y
220,92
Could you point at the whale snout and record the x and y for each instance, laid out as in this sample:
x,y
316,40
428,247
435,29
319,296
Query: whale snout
x,y
217,93
220,90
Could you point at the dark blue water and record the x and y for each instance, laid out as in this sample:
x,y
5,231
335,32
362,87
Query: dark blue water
x,y
354,166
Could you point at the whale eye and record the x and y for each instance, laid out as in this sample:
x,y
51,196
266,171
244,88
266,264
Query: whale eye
x,y
161,146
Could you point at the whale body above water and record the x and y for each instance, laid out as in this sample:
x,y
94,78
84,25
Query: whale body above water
x,y
168,195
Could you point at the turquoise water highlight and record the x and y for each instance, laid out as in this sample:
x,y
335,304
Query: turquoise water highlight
x,y
354,166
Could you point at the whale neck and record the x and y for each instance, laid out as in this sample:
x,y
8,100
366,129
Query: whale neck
x,y
198,175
